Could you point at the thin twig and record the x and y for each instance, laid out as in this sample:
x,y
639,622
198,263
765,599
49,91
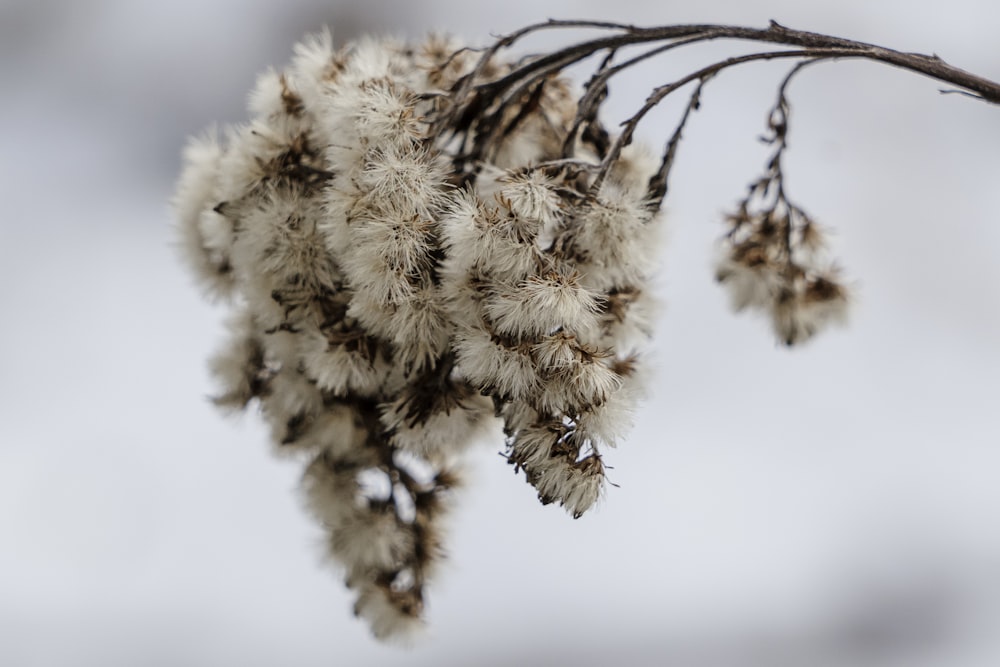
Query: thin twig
x,y
931,66
658,94
657,188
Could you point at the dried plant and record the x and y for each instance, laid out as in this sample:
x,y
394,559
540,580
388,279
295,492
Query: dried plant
x,y
422,242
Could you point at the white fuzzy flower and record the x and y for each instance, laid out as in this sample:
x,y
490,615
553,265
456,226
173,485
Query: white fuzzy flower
x,y
290,405
266,98
375,315
609,422
479,238
402,178
531,448
379,283
355,366
239,366
206,240
444,433
399,240
392,616
337,429
628,319
279,239
370,538
749,286
421,328
630,174
491,366
617,239
518,415
576,485
555,352
540,305
330,494
374,58
816,303
314,65
530,196
579,386
385,114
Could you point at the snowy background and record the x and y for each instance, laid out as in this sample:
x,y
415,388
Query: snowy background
x,y
834,505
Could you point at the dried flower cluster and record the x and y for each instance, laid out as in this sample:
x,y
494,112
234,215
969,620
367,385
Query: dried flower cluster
x,y
420,242
774,256
393,297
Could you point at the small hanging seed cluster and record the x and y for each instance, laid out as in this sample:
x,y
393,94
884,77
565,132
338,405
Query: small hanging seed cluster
x,y
774,261
409,265
774,256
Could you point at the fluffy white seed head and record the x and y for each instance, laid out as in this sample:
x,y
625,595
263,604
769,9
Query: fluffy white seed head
x,y
530,196
391,615
748,286
492,366
630,174
539,305
421,329
290,405
374,313
266,97
337,429
330,494
556,352
532,446
402,178
576,485
612,420
479,238
616,239
315,65
386,114
206,240
627,320
352,367
280,241
442,435
814,304
581,385
239,366
370,538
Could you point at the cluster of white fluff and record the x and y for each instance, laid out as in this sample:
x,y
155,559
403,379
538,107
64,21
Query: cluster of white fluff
x,y
392,297
775,261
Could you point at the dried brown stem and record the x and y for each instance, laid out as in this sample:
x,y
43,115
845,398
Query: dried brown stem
x,y
479,105
928,65
657,188
702,75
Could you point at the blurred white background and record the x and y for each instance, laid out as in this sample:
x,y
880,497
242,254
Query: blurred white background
x,y
834,505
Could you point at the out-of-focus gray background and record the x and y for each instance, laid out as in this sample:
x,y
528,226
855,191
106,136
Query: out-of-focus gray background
x,y
835,505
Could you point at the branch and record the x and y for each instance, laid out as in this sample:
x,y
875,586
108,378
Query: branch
x,y
928,65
